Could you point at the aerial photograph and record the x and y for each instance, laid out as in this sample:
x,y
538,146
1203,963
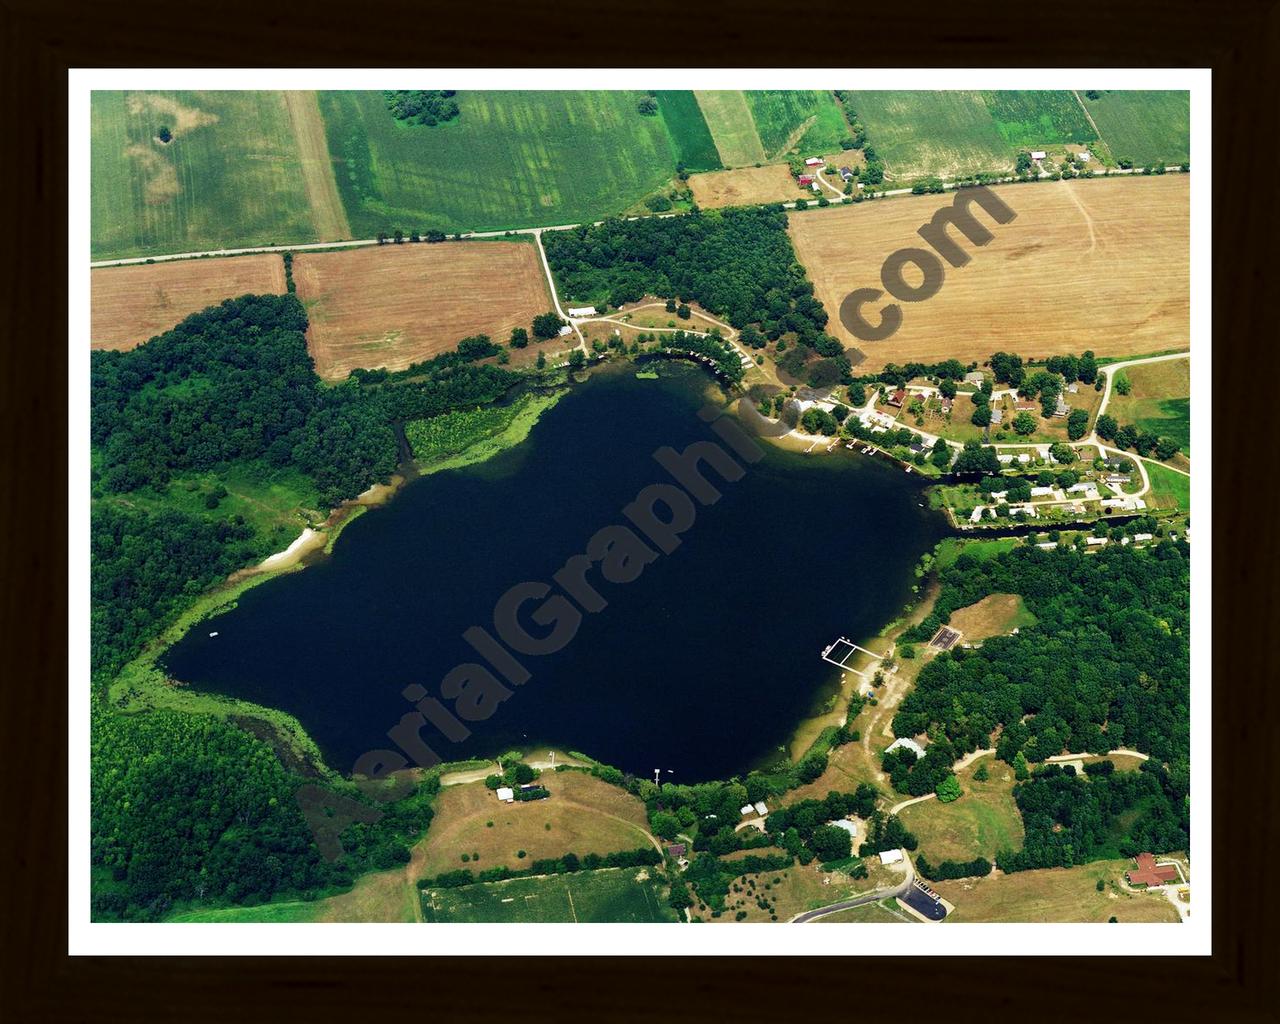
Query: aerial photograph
x,y
532,506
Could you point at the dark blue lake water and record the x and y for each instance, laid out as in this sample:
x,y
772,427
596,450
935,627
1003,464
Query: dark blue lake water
x,y
704,665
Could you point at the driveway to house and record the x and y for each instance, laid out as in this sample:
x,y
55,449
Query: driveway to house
x,y
860,901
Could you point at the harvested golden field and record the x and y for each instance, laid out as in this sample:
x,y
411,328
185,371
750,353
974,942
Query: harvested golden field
x,y
130,305
994,615
746,186
1101,264
585,815
395,305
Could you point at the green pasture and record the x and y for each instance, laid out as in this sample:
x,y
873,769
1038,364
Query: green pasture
x,y
609,895
691,139
1144,126
229,177
801,122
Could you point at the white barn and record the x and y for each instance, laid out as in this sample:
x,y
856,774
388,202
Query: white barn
x,y
582,311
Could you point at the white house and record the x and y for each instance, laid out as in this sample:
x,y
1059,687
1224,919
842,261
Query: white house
x,y
1142,536
1047,545
1082,488
910,744
566,329
746,809
816,187
1085,155
814,161
1038,154
1004,460
1042,492
506,794
847,825
1096,542
891,857
976,515
582,311
761,808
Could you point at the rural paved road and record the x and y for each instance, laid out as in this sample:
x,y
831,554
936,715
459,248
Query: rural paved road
x,y
859,901
354,242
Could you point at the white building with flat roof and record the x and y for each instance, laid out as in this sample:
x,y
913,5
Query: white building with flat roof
x,y
891,857
506,794
582,311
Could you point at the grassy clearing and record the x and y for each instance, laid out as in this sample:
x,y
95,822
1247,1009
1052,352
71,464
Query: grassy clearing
x,y
327,214
950,548
982,823
994,615
1066,895
1144,126
510,159
793,891
1038,119
690,137
608,895
1160,400
231,175
797,121
931,133
585,815
287,912
1168,489
729,120
746,186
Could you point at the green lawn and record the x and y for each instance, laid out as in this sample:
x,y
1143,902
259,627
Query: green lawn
x,y
511,159
1168,488
1160,400
691,139
1034,119
801,122
231,176
932,133
603,896
1144,126
949,549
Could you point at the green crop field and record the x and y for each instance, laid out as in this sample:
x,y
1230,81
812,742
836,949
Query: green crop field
x,y
690,137
729,120
609,895
798,121
289,912
932,133
1143,126
1160,400
230,176
1033,119
511,159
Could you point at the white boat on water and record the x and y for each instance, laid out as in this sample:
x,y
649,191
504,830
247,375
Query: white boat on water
x,y
214,633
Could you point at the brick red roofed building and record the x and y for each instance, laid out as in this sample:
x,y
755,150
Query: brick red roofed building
x,y
898,397
805,179
1149,873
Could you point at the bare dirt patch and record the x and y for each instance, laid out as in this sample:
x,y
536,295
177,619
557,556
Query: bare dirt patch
x,y
746,186
1101,265
129,305
994,615
394,305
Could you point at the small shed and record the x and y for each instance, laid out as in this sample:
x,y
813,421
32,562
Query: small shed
x,y
1038,154
891,857
566,329
746,809
761,808
846,173
506,794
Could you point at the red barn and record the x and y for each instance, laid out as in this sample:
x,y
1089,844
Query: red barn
x,y
805,179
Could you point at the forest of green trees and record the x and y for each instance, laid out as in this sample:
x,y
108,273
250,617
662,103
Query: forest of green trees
x,y
234,385
1106,665
736,263
191,808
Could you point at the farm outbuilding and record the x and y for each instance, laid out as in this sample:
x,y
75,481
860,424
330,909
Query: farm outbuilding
x,y
910,744
891,857
582,311
506,794
814,161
